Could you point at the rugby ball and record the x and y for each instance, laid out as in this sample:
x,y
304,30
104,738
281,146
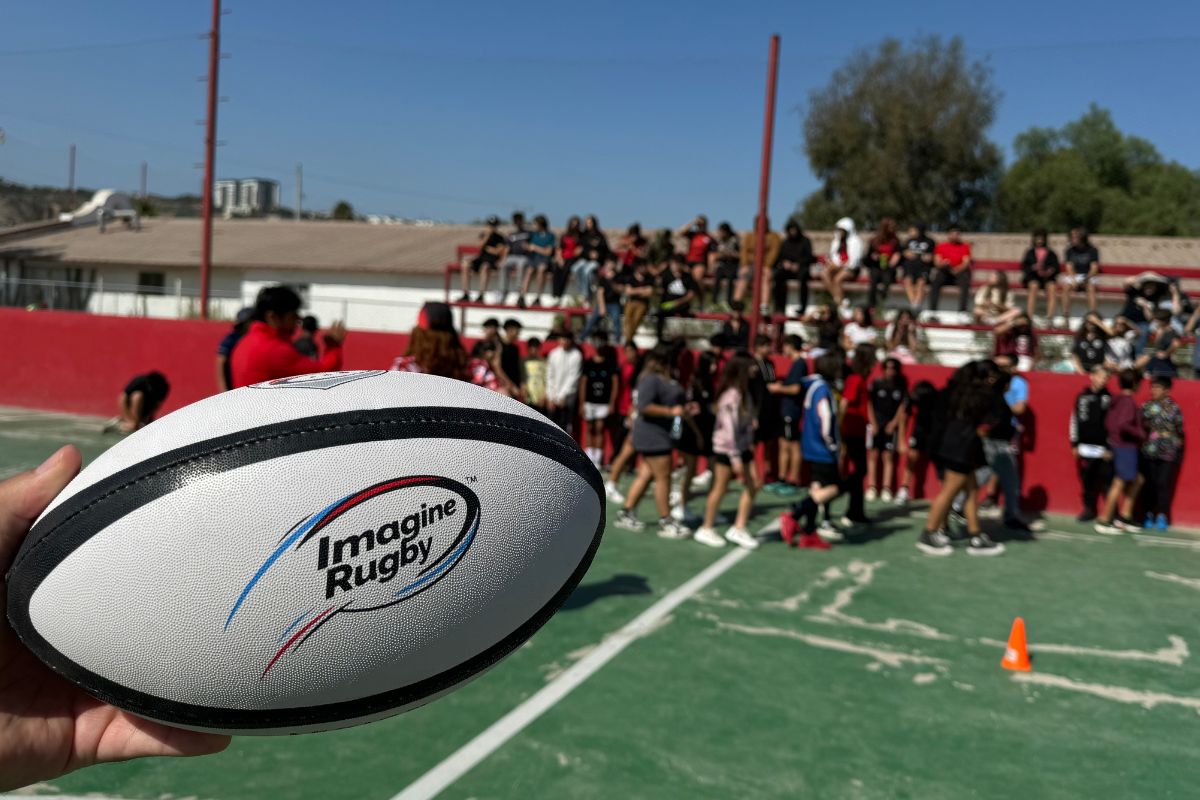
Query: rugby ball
x,y
308,553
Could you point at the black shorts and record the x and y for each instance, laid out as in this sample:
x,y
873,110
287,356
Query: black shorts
x,y
479,263
726,270
791,429
824,474
1033,277
769,429
693,444
653,453
883,442
721,458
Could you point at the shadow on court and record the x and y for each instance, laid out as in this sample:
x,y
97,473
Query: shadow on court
x,y
623,584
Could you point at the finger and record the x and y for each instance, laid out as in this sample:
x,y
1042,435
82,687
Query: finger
x,y
23,497
104,733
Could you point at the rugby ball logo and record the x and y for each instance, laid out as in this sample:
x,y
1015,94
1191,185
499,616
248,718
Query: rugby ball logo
x,y
319,380
371,549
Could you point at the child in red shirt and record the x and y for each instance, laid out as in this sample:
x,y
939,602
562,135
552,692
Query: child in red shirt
x,y
857,414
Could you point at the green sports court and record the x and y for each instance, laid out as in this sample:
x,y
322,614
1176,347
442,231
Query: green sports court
x,y
869,671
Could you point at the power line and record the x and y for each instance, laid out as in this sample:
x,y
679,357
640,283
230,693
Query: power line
x,y
81,48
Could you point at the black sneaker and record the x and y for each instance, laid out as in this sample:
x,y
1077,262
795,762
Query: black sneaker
x,y
982,545
934,543
955,536
521,301
1018,525
957,517
465,297
1087,515
479,297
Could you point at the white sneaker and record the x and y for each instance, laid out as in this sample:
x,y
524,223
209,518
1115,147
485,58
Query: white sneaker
x,y
627,521
678,512
670,529
829,533
702,481
1037,525
885,496
675,498
871,496
902,496
991,512
742,538
613,493
709,537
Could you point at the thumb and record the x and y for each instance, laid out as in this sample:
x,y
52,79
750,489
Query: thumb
x,y
23,497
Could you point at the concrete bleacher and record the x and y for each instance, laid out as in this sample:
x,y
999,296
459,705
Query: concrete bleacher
x,y
949,337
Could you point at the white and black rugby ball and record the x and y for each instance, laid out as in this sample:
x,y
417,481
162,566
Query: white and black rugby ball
x,y
308,553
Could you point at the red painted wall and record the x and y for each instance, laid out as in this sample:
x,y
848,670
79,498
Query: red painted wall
x,y
79,362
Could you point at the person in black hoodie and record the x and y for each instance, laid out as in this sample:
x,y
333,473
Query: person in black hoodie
x,y
1089,440
795,259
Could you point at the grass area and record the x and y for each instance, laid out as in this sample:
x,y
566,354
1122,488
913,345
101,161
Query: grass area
x,y
869,671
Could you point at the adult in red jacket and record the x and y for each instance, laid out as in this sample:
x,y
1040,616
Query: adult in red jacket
x,y
266,351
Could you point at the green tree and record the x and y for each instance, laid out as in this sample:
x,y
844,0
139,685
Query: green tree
x,y
342,210
1089,173
900,131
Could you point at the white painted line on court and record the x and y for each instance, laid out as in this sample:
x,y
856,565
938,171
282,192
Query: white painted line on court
x,y
1066,536
469,755
1166,539
1158,541
1119,694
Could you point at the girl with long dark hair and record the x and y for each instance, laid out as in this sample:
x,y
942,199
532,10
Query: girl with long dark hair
x,y
966,403
570,246
889,407
1040,270
883,259
733,455
661,412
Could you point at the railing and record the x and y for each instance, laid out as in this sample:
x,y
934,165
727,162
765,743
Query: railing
x,y
177,301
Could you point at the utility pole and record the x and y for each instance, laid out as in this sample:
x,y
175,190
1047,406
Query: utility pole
x,y
210,146
764,187
299,190
145,179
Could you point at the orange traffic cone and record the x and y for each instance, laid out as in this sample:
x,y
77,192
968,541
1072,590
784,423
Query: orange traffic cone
x,y
1016,655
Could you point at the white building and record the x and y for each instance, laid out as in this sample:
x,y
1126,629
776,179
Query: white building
x,y
373,277
244,197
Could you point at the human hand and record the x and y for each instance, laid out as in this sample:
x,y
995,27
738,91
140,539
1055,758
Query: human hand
x,y
336,332
49,727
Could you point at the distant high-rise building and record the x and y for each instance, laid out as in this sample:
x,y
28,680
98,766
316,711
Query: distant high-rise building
x,y
246,196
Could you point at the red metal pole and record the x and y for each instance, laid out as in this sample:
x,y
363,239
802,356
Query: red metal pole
x,y
210,146
764,189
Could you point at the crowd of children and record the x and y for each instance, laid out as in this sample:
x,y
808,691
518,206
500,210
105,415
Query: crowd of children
x,y
851,427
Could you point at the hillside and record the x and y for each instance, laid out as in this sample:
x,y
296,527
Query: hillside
x,y
20,203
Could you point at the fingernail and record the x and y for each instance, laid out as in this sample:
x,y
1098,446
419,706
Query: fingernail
x,y
49,463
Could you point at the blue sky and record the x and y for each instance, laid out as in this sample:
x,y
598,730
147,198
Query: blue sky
x,y
633,111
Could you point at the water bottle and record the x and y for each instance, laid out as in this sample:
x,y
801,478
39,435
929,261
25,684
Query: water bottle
x,y
677,427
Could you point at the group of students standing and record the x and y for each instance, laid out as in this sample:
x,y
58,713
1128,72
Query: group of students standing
x,y
1126,452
